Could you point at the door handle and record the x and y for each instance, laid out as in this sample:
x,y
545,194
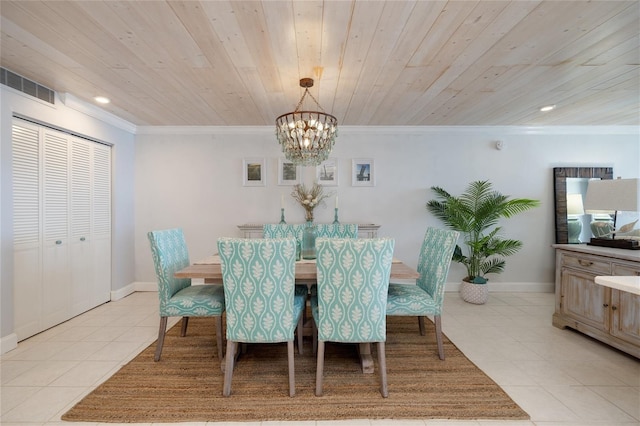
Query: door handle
x,y
82,238
58,242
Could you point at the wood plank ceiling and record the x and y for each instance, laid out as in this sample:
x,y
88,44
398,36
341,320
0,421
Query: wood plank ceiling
x,y
375,62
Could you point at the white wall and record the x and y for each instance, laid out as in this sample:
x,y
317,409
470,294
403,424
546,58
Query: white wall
x,y
192,178
85,120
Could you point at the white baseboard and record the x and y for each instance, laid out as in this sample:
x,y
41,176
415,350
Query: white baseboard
x,y
8,343
520,287
524,287
123,292
146,286
132,288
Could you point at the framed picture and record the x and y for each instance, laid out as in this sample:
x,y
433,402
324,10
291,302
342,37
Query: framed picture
x,y
327,172
254,172
362,172
288,173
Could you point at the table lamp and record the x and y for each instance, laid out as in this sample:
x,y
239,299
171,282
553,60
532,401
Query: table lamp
x,y
605,196
574,221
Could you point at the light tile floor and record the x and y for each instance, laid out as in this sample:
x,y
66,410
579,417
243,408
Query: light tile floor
x,y
559,377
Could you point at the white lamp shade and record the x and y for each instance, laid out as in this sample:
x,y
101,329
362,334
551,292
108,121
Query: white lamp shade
x,y
574,204
609,195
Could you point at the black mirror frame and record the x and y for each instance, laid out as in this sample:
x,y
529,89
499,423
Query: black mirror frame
x,y
560,175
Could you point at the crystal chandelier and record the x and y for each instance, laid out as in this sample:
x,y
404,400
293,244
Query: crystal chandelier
x,y
307,137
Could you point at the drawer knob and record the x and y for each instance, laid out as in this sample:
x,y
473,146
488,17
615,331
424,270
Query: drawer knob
x,y
614,308
605,305
585,262
58,242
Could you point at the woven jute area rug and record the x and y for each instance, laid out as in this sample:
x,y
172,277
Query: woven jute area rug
x,y
186,384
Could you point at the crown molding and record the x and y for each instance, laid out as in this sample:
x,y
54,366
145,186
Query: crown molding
x,y
76,104
404,130
204,130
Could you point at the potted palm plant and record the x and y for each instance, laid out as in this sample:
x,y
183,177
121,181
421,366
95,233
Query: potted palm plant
x,y
475,214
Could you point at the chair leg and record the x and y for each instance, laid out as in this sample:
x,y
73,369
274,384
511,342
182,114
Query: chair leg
x,y
304,311
292,370
219,336
314,336
183,330
319,368
228,368
382,361
300,332
438,323
161,332
421,325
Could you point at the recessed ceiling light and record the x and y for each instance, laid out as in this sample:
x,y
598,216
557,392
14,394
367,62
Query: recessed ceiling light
x,y
102,100
547,108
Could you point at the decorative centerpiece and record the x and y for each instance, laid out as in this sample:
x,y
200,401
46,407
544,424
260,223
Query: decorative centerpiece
x,y
309,199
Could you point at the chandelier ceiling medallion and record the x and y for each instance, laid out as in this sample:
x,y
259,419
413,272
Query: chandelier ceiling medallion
x,y
307,137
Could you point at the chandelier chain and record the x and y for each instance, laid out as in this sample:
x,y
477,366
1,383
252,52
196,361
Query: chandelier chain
x,y
306,92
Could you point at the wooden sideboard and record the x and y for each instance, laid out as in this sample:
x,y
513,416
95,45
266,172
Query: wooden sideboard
x,y
254,230
607,314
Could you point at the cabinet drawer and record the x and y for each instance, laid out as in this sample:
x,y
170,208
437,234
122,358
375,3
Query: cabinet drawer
x,y
591,264
625,269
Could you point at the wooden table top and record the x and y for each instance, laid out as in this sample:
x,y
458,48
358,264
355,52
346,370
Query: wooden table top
x,y
210,270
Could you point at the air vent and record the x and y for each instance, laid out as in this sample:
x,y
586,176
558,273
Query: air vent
x,y
27,86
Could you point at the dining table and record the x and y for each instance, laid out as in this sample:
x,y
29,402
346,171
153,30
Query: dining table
x,y
209,269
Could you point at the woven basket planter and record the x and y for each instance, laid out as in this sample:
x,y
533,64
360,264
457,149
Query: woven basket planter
x,y
474,293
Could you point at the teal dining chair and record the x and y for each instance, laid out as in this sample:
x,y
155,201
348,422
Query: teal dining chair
x,y
337,230
334,230
427,295
328,230
283,230
261,304
178,298
287,230
351,300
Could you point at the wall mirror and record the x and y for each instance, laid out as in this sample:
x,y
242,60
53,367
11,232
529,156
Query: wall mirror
x,y
573,180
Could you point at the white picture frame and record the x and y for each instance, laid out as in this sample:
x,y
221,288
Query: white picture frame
x,y
327,172
288,173
363,172
254,171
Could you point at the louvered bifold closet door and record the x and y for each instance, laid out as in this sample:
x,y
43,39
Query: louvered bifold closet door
x,y
27,260
56,245
62,226
90,224
101,223
80,226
